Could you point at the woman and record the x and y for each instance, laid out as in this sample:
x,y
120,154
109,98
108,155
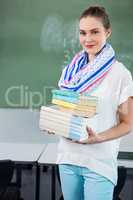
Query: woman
x,y
88,170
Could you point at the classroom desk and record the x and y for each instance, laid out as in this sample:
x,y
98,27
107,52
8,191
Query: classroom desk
x,y
23,153
125,163
48,158
49,155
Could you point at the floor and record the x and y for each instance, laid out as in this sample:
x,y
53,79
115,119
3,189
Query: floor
x,y
28,185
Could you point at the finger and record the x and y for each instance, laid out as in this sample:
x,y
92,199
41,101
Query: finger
x,y
90,132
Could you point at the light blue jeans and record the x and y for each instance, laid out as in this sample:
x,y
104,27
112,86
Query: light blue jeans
x,y
80,183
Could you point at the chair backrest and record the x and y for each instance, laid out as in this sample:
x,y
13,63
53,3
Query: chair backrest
x,y
122,173
6,172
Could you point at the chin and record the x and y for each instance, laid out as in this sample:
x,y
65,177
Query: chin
x,y
91,52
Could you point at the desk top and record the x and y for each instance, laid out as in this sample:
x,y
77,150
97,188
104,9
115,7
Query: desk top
x,y
21,152
50,154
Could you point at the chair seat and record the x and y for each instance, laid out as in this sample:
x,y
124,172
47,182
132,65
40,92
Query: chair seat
x,y
12,193
8,191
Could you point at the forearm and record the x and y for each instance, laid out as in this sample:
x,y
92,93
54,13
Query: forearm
x,y
115,132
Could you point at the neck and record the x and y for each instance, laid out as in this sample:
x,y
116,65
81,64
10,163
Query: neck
x,y
91,57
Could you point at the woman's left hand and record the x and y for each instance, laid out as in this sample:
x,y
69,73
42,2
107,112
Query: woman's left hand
x,y
93,138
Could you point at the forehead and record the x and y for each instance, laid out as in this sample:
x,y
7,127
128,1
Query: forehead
x,y
88,23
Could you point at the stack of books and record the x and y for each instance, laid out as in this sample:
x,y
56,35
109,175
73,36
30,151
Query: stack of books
x,y
70,115
65,124
75,103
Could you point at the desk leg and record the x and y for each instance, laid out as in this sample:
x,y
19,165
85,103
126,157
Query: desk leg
x,y
53,183
19,175
37,189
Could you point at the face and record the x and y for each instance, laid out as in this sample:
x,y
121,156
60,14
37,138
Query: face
x,y
92,34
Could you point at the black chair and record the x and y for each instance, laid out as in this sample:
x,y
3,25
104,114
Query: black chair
x,y
8,191
122,174
58,177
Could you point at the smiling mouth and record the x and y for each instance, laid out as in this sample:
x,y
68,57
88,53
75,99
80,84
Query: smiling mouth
x,y
89,46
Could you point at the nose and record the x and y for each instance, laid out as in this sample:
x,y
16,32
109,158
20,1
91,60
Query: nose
x,y
88,38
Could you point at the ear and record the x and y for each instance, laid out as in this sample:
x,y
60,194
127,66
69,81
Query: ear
x,y
109,31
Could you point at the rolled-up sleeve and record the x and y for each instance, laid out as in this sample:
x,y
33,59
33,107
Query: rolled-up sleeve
x,y
126,87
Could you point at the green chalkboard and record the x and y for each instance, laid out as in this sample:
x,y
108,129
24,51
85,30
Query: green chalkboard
x,y
39,37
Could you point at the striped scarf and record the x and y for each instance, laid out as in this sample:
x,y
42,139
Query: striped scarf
x,y
82,76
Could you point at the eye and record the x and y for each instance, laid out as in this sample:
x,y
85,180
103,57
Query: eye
x,y
82,33
95,32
